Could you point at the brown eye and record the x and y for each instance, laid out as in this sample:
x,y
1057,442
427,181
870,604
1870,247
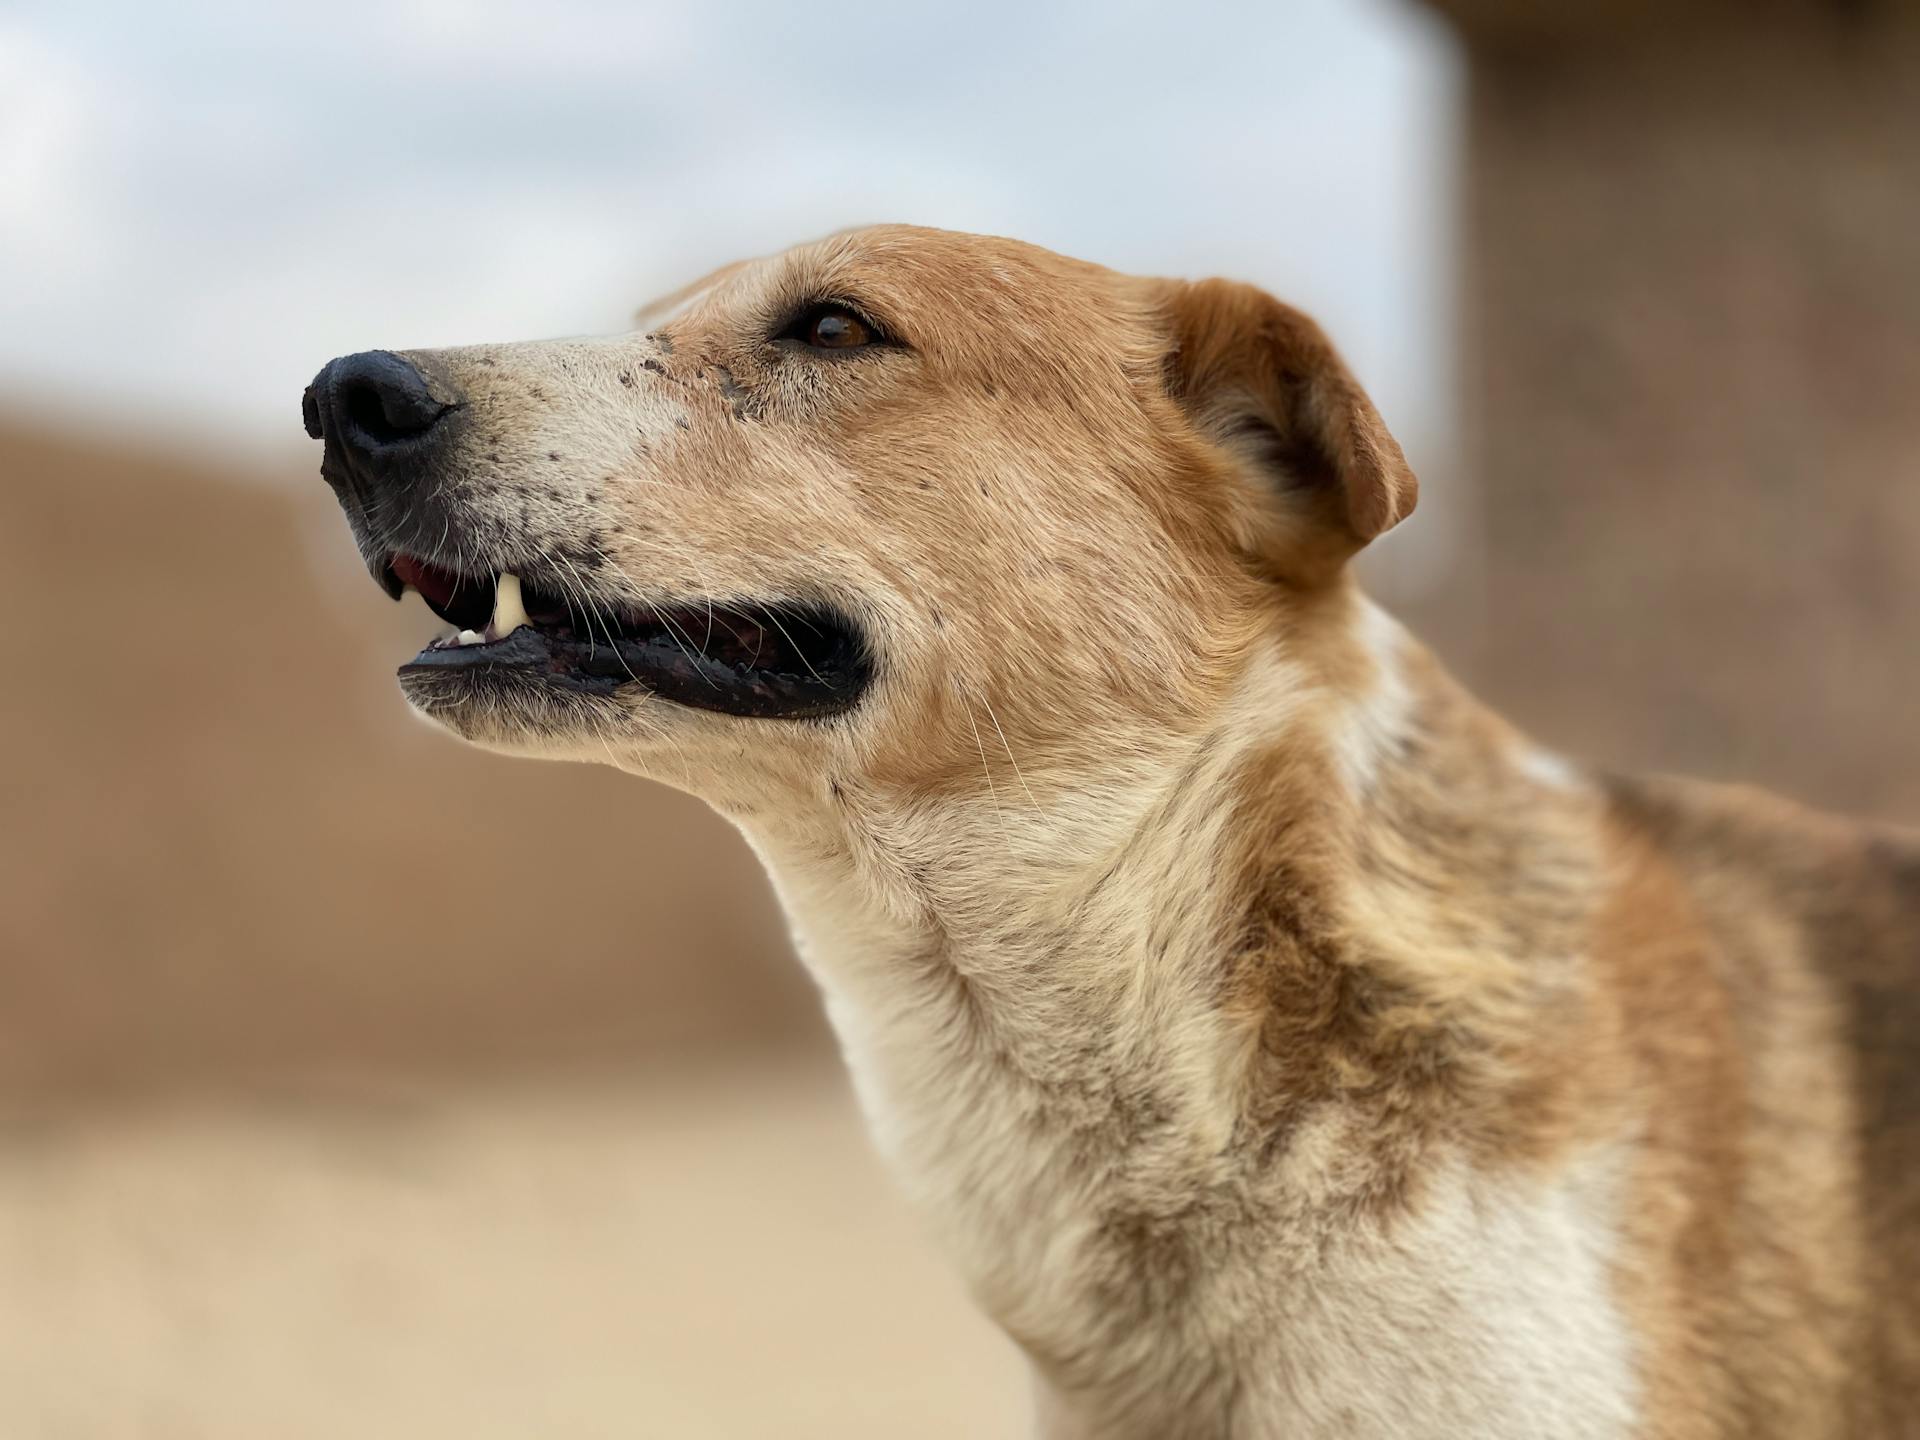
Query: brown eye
x,y
836,330
831,327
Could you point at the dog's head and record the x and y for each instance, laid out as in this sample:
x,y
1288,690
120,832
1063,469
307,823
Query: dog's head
x,y
873,506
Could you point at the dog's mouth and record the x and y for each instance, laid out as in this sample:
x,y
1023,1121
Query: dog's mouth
x,y
777,660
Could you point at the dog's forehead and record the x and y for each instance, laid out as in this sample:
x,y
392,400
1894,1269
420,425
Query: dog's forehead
x,y
903,271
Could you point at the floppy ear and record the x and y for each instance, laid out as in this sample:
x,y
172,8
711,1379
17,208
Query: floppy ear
x,y
663,308
1263,380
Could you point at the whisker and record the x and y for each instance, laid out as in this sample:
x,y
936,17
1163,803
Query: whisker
x,y
586,609
1009,749
666,623
775,618
987,770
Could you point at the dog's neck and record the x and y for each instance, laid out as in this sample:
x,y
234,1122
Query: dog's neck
x,y
1089,1023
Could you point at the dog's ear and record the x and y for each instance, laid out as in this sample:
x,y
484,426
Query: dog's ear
x,y
663,308
1263,380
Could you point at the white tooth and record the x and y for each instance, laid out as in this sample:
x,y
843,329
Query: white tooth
x,y
469,637
509,613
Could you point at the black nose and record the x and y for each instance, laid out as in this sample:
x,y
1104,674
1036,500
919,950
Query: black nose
x,y
375,404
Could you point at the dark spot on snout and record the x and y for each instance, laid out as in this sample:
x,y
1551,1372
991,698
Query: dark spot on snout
x,y
663,340
654,365
733,392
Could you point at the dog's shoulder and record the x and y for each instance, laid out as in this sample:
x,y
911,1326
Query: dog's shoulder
x,y
1839,897
1835,877
1813,926
1816,921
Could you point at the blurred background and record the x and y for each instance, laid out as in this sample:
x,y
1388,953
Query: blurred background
x,y
352,1083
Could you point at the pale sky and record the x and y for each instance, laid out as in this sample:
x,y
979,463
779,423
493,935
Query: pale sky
x,y
201,201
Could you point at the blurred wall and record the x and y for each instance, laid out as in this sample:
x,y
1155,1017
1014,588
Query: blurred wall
x,y
1691,316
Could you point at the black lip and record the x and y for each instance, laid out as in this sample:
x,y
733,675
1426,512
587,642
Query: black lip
x,y
827,677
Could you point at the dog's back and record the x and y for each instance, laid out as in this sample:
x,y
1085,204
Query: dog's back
x,y
1801,1210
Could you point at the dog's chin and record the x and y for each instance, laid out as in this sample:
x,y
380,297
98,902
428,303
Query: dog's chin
x,y
510,712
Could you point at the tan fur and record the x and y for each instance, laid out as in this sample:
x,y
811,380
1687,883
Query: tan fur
x,y
1280,1044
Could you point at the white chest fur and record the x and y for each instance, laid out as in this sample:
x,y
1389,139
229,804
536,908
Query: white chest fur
x,y
1485,1312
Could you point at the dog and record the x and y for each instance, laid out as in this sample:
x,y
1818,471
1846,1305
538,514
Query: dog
x,y
1279,1043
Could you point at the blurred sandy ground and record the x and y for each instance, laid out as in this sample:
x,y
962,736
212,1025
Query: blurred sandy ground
x,y
354,1083
714,1256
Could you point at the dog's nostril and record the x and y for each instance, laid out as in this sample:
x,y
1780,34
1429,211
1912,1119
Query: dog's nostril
x,y
374,401
376,415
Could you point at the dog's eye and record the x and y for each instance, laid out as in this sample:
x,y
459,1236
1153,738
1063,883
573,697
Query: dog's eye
x,y
830,327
